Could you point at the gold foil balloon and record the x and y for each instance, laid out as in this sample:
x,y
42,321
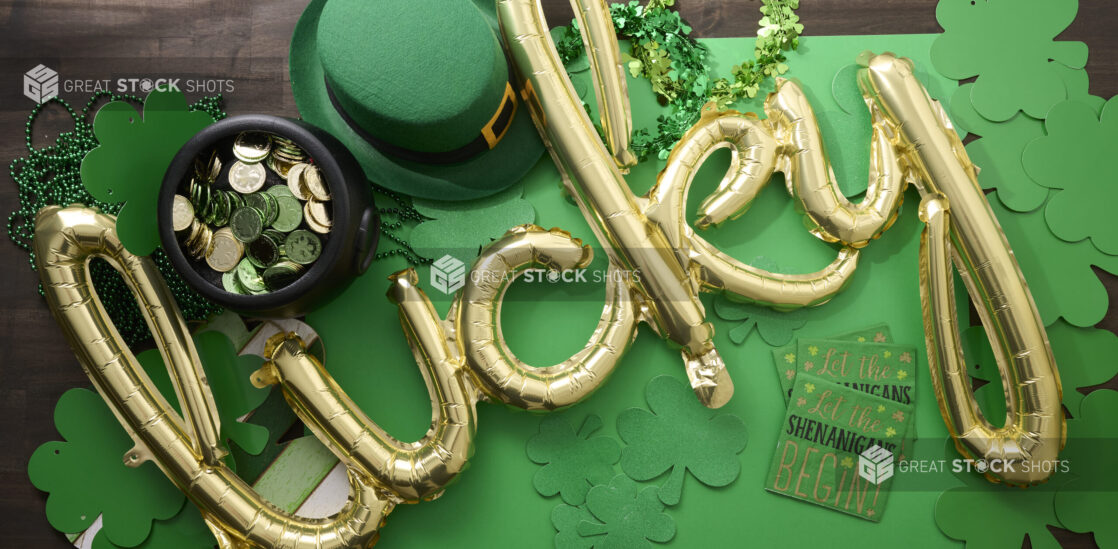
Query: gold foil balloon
x,y
610,88
66,239
962,230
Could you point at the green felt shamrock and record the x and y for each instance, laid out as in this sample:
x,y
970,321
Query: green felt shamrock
x,y
631,516
133,155
572,462
461,228
679,434
228,375
185,530
1090,454
1058,272
1079,156
775,327
1009,45
86,476
566,519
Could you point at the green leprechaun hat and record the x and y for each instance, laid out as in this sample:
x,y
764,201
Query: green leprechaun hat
x,y
419,90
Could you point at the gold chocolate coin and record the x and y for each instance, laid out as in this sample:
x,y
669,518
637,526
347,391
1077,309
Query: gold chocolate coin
x,y
225,251
182,213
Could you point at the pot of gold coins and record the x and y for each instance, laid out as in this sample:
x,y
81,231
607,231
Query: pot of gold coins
x,y
267,216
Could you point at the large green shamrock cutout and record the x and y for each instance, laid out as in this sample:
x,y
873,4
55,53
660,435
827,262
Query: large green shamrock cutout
x,y
1079,156
185,530
86,476
775,327
1090,455
133,155
679,434
631,516
572,462
1009,45
460,229
228,375
1058,272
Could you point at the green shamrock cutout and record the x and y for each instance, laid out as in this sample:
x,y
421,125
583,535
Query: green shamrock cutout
x,y
1080,503
572,462
631,516
228,375
678,435
775,327
460,229
1009,45
133,155
1058,272
185,530
85,475
1079,156
566,519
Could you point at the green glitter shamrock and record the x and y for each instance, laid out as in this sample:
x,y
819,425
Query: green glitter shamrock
x,y
572,462
679,434
1090,454
1080,157
1009,45
185,530
1058,272
133,155
86,476
631,516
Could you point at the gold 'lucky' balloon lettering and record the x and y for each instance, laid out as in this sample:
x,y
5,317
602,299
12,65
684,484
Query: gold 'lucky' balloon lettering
x,y
465,357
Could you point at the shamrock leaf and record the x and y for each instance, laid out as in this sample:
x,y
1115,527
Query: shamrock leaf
x,y
1058,272
1008,514
631,516
134,152
572,462
1009,45
679,434
228,375
185,530
86,476
566,519
1090,453
1080,157
461,228
774,327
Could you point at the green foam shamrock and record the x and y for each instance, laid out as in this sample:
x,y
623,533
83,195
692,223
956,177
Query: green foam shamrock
x,y
461,228
1058,273
1009,45
228,375
631,516
566,519
1079,156
572,462
185,530
679,434
1090,454
86,476
774,327
133,155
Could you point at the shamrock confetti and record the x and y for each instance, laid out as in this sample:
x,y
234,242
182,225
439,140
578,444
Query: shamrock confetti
x,y
1080,157
86,476
631,516
185,530
572,462
679,434
774,327
133,155
1090,454
462,228
1009,45
1059,272
566,519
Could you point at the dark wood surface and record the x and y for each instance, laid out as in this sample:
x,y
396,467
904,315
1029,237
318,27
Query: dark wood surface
x,y
247,41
